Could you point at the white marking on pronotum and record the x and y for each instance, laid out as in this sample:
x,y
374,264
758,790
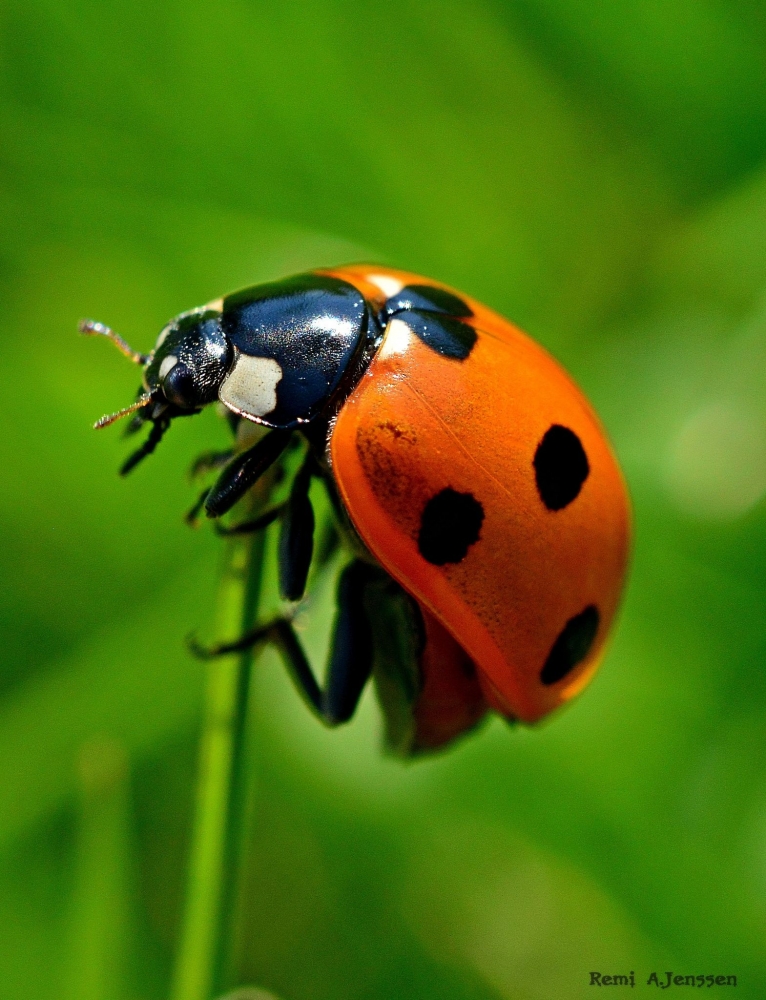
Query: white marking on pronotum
x,y
396,340
162,337
251,385
167,363
388,285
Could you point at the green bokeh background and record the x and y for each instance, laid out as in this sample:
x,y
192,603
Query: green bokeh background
x,y
595,171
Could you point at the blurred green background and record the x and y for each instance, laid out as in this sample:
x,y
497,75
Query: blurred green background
x,y
596,172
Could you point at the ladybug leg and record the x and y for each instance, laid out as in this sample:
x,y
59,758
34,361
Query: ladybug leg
x,y
243,471
159,427
250,527
209,461
296,539
278,633
192,515
350,660
353,648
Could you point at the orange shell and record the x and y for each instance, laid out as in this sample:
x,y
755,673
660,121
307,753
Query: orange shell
x,y
418,423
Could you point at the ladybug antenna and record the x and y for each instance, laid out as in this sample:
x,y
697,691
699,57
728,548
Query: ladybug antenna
x,y
93,329
109,418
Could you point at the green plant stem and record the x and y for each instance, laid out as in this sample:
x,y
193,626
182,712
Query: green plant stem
x,y
212,878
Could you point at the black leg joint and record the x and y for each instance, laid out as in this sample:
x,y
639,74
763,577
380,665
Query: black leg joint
x,y
250,527
159,426
296,539
244,471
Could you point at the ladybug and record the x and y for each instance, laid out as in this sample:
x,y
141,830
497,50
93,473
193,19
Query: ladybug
x,y
486,513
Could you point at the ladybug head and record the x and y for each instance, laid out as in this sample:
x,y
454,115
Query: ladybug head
x,y
181,375
189,361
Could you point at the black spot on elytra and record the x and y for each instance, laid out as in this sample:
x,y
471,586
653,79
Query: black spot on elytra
x,y
427,298
572,645
449,525
449,337
561,467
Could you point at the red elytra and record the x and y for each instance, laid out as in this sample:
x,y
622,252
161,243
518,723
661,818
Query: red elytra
x,y
539,587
